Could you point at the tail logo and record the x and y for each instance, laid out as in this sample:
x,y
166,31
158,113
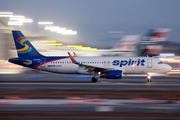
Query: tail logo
x,y
26,48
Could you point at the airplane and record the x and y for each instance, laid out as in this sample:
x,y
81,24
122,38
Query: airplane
x,y
150,43
106,67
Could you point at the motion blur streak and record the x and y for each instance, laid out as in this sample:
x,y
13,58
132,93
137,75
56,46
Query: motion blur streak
x,y
90,28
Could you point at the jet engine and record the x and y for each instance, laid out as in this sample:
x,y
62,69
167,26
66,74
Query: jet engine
x,y
114,74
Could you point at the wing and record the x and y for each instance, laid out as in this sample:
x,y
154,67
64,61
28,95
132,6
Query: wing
x,y
89,67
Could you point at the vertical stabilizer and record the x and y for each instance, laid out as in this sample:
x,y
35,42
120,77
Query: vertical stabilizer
x,y
23,46
127,43
152,42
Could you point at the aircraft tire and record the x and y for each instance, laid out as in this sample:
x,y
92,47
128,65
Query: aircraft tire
x,y
149,80
94,79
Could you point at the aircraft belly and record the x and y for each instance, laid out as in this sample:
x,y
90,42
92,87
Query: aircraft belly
x,y
68,69
135,70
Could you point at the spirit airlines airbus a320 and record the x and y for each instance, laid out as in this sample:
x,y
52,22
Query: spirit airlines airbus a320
x,y
106,67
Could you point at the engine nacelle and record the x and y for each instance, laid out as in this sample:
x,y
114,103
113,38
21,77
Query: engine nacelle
x,y
114,74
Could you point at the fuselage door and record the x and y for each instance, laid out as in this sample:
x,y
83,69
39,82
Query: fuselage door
x,y
104,63
149,63
108,63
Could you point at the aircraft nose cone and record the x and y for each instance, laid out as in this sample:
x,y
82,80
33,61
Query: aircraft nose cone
x,y
168,68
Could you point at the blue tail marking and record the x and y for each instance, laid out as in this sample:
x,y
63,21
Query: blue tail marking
x,y
23,46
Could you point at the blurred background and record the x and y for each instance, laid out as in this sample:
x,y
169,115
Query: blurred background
x,y
90,28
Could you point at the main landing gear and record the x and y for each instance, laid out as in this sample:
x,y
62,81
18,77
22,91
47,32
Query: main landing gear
x,y
149,78
94,79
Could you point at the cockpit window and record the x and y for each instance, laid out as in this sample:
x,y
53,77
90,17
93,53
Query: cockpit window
x,y
160,62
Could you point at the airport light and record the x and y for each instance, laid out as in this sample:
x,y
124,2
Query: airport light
x,y
81,47
54,30
55,44
14,23
61,30
16,19
26,20
45,23
51,27
74,45
84,48
6,12
69,32
48,41
5,15
58,29
17,16
21,19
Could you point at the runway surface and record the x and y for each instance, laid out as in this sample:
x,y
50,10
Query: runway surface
x,y
102,105
69,82
97,86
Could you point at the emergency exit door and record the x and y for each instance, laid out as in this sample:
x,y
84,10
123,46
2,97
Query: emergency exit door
x,y
149,63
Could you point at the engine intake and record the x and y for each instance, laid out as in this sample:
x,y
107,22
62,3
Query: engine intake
x,y
114,74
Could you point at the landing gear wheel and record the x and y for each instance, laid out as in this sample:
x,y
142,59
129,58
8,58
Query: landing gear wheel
x,y
94,79
149,80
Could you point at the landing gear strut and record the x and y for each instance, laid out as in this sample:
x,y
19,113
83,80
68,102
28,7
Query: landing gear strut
x,y
94,79
149,78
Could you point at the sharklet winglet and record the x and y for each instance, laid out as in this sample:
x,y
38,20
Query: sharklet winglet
x,y
73,60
